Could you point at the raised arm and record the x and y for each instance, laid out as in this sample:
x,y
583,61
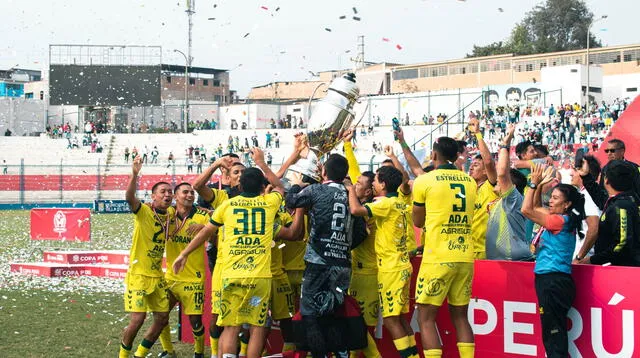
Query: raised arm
x,y
201,237
130,194
405,188
412,161
200,184
298,146
597,192
355,207
485,153
354,168
295,231
532,209
503,169
257,155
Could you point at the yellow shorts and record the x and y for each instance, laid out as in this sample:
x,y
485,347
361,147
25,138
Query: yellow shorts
x,y
437,281
189,294
393,288
216,288
282,300
145,294
244,300
364,289
295,280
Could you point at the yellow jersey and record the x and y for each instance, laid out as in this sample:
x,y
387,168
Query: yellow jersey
x,y
390,217
484,197
449,197
293,252
194,268
363,257
412,244
219,197
248,234
283,219
150,232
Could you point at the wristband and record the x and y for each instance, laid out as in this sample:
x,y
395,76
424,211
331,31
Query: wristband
x,y
479,136
578,257
503,146
404,145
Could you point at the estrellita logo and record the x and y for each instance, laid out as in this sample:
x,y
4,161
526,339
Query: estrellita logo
x,y
60,223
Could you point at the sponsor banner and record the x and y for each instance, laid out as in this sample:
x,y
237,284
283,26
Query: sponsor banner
x,y
116,257
111,206
61,224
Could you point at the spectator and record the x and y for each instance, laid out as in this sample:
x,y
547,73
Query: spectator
x,y
134,153
189,165
199,161
170,160
268,139
277,139
269,158
5,168
615,151
154,155
584,244
555,245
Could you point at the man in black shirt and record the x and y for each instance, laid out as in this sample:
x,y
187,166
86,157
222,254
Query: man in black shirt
x,y
615,151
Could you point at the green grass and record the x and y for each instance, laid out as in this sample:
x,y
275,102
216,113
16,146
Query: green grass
x,y
64,317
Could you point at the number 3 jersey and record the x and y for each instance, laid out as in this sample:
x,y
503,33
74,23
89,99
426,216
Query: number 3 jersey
x,y
178,240
448,196
247,221
330,221
150,230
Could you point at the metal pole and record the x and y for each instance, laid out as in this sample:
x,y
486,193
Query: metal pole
x,y
21,185
588,66
186,91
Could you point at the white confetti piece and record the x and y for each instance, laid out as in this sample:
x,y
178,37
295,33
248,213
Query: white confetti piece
x,y
339,289
282,245
607,264
575,211
615,299
461,195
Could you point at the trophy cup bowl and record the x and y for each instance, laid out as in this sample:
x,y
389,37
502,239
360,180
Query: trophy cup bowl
x,y
330,118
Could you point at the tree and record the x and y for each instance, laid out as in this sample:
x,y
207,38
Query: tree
x,y
557,25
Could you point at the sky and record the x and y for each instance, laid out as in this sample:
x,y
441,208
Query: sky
x,y
260,44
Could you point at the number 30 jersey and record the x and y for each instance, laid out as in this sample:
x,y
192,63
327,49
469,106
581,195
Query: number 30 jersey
x,y
448,196
330,222
248,234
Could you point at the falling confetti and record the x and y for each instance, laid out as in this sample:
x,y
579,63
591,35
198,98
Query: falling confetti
x,y
399,47
355,11
385,39
327,29
500,9
356,18
245,35
264,8
342,17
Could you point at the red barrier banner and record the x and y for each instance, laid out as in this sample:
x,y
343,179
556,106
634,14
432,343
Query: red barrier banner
x,y
504,314
61,224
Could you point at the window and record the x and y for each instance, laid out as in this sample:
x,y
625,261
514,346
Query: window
x,y
205,82
543,64
216,83
631,55
28,95
168,79
529,67
632,89
405,74
192,81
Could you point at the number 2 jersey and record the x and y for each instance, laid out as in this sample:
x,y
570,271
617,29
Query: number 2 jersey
x,y
147,247
448,196
247,221
194,268
330,221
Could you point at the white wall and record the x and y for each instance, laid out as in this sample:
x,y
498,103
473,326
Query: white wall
x,y
617,86
570,79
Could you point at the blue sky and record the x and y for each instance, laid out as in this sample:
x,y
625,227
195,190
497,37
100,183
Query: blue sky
x,y
283,44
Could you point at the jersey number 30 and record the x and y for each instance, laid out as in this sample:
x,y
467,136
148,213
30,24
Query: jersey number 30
x,y
242,216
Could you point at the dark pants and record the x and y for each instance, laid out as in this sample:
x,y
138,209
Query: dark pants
x,y
556,292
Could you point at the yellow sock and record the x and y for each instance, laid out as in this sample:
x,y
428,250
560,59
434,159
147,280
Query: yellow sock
x,y
198,340
213,341
466,350
412,347
124,351
165,339
143,348
403,346
371,351
288,347
432,353
243,348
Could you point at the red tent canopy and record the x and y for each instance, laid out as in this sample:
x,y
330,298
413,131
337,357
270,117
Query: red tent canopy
x,y
627,129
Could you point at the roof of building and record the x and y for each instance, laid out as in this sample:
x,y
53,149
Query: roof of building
x,y
192,69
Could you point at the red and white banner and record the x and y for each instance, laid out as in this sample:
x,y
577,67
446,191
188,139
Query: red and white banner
x,y
61,224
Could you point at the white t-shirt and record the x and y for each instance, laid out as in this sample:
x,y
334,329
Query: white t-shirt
x,y
590,209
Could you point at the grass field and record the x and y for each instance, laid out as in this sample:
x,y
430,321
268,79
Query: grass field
x,y
63,317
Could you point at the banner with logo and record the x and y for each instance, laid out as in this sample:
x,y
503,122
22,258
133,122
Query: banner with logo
x,y
111,206
61,224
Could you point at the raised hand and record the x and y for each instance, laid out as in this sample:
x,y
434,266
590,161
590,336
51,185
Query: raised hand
x,y
388,151
136,166
257,155
347,135
474,125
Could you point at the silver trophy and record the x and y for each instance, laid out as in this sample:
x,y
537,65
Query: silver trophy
x,y
330,118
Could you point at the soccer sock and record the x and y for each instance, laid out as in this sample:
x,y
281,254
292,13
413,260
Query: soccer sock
x,y
288,347
244,344
412,347
165,339
143,348
124,351
198,340
371,350
403,346
214,338
466,350
432,353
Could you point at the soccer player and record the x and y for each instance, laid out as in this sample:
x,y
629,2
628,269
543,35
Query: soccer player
x,y
248,221
364,270
187,287
328,260
444,202
394,269
213,197
146,289
483,171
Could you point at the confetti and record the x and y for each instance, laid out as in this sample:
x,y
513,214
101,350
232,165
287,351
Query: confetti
x,y
342,17
356,18
575,211
461,195
355,11
385,39
339,289
278,8
327,29
282,245
500,9
245,35
264,8
607,264
399,47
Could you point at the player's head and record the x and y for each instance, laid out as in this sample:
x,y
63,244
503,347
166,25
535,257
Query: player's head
x,y
234,173
364,187
161,195
387,163
477,169
619,176
525,150
184,194
518,179
252,181
387,180
335,168
236,159
445,150
541,150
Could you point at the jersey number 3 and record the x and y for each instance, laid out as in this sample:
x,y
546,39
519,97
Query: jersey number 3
x,y
461,196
